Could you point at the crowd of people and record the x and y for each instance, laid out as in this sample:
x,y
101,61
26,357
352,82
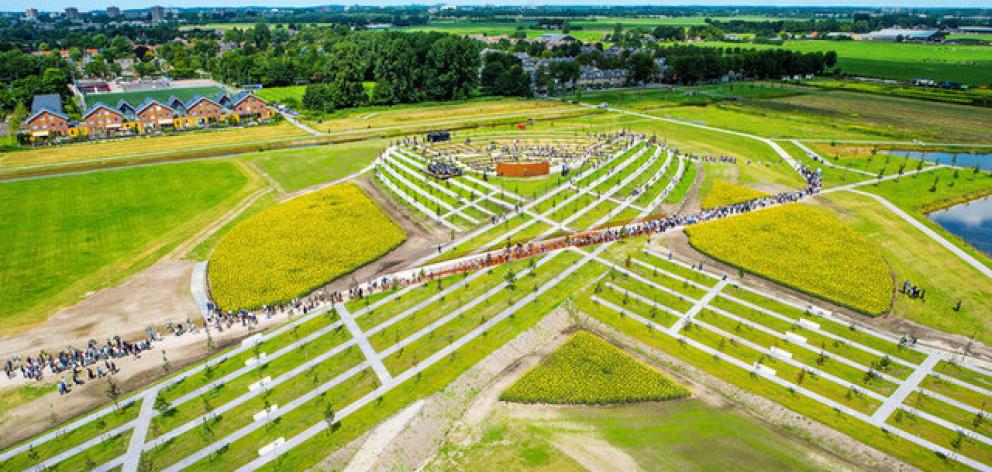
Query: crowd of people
x,y
443,169
708,158
657,225
95,361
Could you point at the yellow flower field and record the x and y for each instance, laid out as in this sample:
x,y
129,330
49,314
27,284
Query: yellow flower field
x,y
804,248
293,248
725,193
589,370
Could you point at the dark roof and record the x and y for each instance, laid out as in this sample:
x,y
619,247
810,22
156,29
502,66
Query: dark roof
x,y
196,99
99,105
124,104
149,102
51,102
241,96
221,98
174,100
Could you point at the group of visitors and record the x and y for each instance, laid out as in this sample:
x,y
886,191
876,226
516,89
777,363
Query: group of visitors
x,y
708,158
912,291
95,361
658,225
443,169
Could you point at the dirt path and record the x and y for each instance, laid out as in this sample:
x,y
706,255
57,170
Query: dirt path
x,y
35,417
150,297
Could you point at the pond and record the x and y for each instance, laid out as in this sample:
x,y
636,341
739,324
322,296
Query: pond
x,y
965,159
970,221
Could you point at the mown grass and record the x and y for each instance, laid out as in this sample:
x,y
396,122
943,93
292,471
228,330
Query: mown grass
x,y
675,435
914,256
874,437
66,236
295,169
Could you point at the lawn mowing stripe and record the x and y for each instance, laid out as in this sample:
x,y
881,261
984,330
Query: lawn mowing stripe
x,y
246,430
645,300
847,370
781,336
427,212
854,343
947,424
410,373
805,392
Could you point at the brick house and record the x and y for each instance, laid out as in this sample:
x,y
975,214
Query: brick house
x,y
102,119
154,115
47,119
247,104
203,110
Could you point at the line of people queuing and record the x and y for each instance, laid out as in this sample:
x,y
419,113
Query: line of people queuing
x,y
96,360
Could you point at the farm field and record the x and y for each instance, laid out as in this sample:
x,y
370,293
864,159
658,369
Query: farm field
x,y
802,248
135,98
442,114
179,146
966,64
674,435
270,258
588,370
65,236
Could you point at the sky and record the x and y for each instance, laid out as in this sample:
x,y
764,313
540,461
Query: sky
x,y
85,5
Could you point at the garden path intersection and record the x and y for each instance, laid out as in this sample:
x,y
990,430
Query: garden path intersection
x,y
591,199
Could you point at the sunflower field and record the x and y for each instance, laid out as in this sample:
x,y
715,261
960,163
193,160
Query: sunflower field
x,y
726,193
293,248
588,370
804,248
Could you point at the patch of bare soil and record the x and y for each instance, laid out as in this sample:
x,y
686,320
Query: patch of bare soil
x,y
678,244
594,453
425,434
151,297
37,416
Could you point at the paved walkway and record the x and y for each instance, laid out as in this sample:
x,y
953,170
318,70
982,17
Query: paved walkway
x,y
140,431
961,254
905,388
368,351
299,124
699,305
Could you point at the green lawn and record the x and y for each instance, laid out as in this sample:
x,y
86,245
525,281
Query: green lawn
x,y
914,256
290,95
294,169
933,190
135,98
685,435
902,61
65,236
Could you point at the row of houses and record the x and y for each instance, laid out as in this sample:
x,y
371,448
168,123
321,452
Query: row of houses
x,y
48,121
589,77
